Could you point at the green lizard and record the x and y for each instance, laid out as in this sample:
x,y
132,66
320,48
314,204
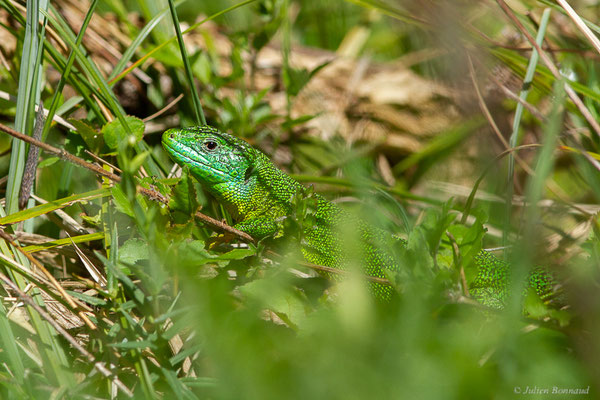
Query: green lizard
x,y
259,195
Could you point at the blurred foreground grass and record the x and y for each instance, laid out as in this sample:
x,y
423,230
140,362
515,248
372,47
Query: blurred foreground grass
x,y
399,112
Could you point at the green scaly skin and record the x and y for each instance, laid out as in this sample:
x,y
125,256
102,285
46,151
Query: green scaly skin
x,y
259,195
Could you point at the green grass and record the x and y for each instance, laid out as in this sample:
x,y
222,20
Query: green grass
x,y
171,317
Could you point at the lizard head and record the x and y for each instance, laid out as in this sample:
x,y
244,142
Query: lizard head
x,y
240,177
213,157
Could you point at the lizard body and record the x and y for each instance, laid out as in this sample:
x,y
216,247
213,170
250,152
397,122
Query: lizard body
x,y
259,195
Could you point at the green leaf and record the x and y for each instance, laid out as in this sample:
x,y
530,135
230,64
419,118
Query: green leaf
x,y
418,253
179,389
90,136
281,299
202,67
468,239
435,223
534,306
121,201
115,133
273,13
440,144
297,121
48,162
138,344
179,357
236,254
133,250
95,301
138,161
295,79
183,202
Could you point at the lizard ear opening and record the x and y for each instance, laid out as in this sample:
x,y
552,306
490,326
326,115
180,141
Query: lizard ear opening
x,y
248,173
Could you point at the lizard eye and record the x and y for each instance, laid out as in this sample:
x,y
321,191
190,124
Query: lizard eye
x,y
210,145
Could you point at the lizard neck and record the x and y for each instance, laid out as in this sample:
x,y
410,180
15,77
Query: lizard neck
x,y
266,190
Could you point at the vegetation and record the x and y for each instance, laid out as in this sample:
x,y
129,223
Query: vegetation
x,y
456,125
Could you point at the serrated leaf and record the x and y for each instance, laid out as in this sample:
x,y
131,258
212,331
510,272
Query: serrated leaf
x,y
133,250
114,132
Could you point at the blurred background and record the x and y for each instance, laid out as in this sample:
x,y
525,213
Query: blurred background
x,y
436,121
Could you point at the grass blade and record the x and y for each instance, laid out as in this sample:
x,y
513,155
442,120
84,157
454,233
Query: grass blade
x,y
200,119
514,137
191,28
66,241
67,70
28,94
128,54
53,205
